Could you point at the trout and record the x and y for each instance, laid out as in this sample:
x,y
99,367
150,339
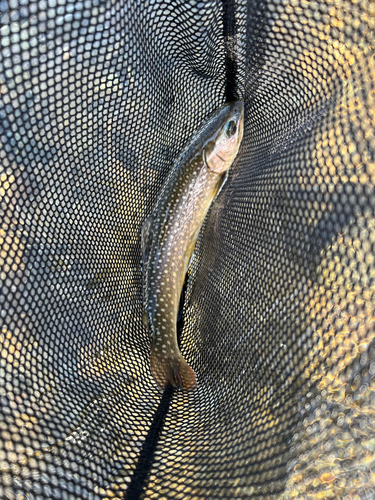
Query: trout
x,y
169,235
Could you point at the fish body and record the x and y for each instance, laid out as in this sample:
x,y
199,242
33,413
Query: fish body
x,y
169,236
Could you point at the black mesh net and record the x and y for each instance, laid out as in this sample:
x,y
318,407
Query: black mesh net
x,y
97,98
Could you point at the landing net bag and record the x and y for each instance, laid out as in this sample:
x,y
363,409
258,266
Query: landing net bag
x,y
97,99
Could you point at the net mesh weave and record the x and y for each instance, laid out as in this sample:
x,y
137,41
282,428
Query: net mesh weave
x,y
97,98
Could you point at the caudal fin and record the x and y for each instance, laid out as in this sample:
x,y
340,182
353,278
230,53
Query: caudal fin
x,y
172,371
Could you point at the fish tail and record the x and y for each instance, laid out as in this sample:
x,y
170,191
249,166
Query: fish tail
x,y
172,371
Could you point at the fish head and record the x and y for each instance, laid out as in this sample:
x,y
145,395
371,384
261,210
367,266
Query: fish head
x,y
222,147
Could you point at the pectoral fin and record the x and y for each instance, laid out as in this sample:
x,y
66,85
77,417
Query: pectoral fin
x,y
145,319
146,235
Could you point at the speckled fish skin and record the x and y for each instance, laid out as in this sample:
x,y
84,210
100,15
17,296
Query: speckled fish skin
x,y
169,236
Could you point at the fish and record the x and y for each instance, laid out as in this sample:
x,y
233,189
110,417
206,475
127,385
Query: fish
x,y
169,234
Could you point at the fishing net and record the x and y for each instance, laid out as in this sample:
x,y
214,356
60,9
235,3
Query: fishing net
x,y
97,98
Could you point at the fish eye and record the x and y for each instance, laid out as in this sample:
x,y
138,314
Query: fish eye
x,y
230,128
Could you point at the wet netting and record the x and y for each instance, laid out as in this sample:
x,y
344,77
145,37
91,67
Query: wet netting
x,y
97,99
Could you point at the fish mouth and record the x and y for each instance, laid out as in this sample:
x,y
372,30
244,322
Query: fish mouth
x,y
236,114
237,110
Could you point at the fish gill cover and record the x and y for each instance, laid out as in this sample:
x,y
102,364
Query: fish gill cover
x,y
97,99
